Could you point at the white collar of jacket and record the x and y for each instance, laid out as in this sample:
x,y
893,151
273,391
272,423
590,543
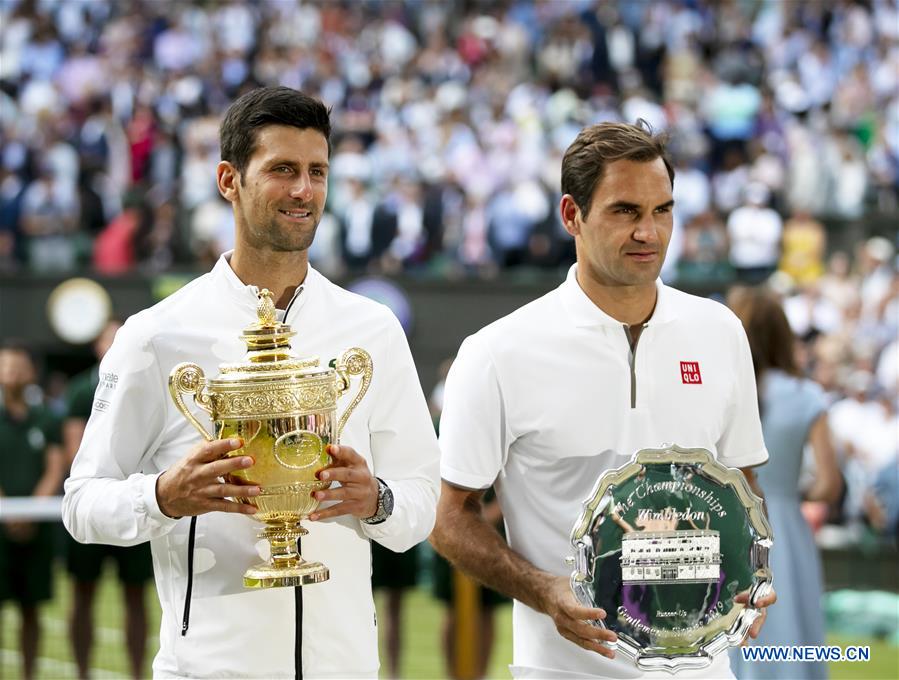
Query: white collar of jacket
x,y
583,312
247,295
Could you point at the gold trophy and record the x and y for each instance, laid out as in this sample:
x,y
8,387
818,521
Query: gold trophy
x,y
284,408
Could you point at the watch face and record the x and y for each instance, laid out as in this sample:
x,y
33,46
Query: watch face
x,y
387,502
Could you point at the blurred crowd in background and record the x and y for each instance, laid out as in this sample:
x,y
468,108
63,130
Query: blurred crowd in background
x,y
451,119
450,122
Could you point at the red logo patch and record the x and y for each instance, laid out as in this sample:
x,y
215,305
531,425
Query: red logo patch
x,y
689,373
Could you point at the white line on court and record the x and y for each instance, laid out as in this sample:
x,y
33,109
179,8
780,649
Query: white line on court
x,y
52,668
103,634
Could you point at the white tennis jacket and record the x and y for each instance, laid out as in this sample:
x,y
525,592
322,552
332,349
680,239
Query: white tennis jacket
x,y
327,630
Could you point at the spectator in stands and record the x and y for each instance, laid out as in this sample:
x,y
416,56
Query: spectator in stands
x,y
858,424
882,502
117,248
48,217
11,191
357,220
838,284
406,202
33,466
472,249
754,230
807,176
794,413
211,230
875,259
514,213
704,257
84,561
692,192
730,180
849,177
804,247
809,312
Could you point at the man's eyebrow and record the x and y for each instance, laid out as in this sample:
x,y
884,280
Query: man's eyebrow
x,y
627,205
623,204
293,164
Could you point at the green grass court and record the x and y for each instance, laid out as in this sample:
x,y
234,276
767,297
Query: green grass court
x,y
422,658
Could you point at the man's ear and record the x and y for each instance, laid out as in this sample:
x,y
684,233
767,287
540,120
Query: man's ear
x,y
570,214
227,178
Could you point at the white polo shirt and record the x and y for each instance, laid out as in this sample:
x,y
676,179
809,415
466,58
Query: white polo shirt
x,y
135,432
544,400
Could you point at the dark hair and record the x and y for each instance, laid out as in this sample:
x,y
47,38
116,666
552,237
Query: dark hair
x,y
268,106
585,161
771,340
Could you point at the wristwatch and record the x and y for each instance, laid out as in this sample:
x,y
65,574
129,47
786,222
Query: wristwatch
x,y
385,504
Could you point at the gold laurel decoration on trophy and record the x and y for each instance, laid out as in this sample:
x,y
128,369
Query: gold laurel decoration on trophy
x,y
243,401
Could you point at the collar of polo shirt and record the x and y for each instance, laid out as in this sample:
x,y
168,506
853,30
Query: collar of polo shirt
x,y
584,313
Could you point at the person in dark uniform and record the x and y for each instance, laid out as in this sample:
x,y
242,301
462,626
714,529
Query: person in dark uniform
x,y
443,590
84,562
32,465
394,573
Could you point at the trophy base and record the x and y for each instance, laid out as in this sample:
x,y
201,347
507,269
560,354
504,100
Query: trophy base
x,y
266,576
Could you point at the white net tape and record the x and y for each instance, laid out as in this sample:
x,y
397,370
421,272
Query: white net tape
x,y
14,508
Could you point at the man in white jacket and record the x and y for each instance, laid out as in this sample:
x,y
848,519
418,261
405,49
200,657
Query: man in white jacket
x,y
142,472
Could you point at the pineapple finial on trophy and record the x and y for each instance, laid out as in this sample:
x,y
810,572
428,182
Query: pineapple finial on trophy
x,y
265,310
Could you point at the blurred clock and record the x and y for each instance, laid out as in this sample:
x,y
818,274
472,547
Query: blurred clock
x,y
77,310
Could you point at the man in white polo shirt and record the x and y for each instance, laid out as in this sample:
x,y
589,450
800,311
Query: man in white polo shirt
x,y
541,402
141,472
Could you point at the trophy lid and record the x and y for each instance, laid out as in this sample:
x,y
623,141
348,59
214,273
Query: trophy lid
x,y
268,348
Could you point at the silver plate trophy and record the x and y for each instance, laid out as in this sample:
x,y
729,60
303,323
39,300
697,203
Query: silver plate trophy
x,y
664,544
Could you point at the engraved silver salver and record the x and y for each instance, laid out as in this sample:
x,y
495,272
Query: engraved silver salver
x,y
664,544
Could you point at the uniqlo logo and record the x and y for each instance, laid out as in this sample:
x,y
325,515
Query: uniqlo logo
x,y
689,373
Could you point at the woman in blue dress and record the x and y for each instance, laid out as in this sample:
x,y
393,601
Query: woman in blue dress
x,y
793,413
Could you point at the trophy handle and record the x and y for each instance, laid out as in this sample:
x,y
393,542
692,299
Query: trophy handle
x,y
188,378
354,361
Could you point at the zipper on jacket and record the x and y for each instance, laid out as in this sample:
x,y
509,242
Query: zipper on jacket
x,y
191,538
298,627
296,294
632,360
